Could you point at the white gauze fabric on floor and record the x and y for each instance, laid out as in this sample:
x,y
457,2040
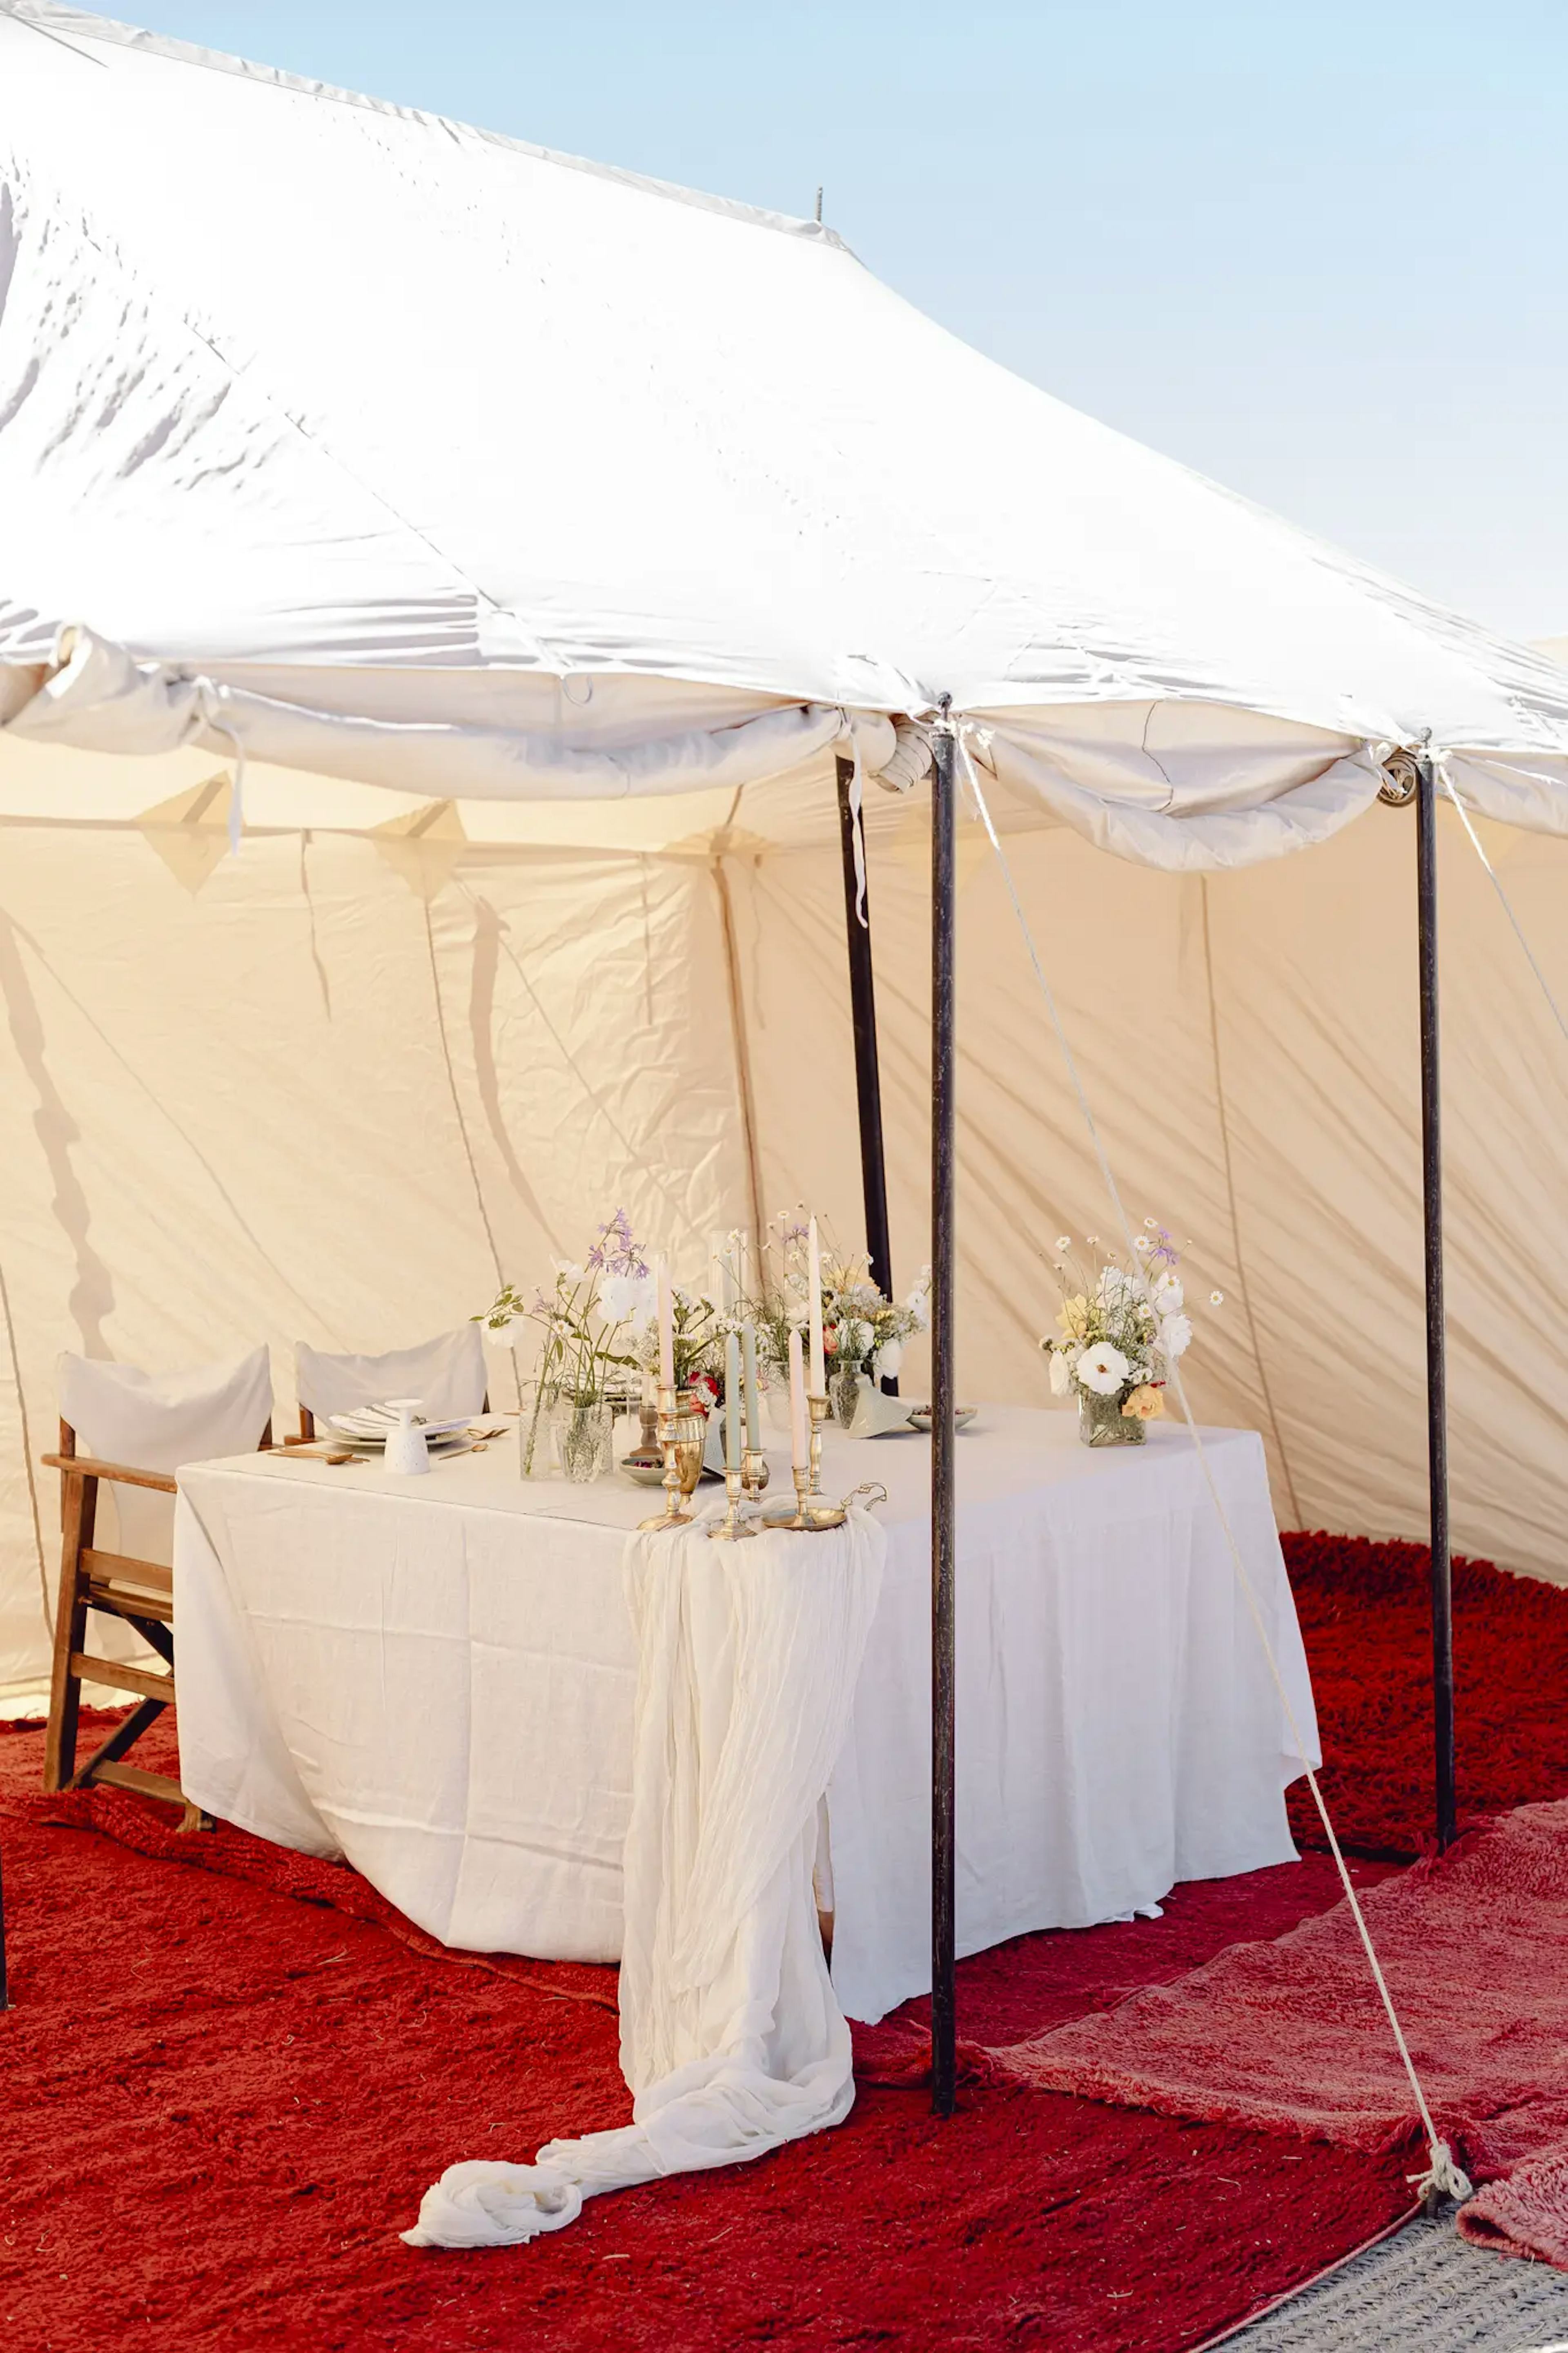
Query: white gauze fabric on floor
x,y
732,2039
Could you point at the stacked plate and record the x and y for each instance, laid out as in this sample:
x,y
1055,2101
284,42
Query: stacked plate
x,y
367,1430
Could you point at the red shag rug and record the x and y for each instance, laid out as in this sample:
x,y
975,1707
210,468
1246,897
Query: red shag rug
x,y
1289,2036
1366,1613
231,2071
225,2083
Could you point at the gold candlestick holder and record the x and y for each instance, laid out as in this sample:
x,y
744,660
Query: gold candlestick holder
x,y
680,1434
813,1510
753,1474
818,1407
731,1527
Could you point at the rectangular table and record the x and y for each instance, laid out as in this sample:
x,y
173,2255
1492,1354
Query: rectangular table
x,y
433,1678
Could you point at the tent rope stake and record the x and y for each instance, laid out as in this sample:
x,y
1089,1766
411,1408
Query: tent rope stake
x,y
1443,2177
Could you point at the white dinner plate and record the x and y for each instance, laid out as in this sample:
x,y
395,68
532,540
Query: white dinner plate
x,y
372,1424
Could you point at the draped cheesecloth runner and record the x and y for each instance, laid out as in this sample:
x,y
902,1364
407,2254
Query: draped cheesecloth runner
x,y
732,2039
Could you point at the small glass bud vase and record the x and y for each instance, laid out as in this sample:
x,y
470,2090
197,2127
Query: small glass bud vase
x,y
1101,1422
585,1435
844,1383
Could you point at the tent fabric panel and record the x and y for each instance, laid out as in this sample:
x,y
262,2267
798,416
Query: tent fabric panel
x,y
310,1101
1249,1045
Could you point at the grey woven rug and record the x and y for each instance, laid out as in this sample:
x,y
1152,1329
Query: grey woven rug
x,y
1423,2291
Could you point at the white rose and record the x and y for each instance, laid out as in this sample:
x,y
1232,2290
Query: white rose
x,y
1103,1369
1175,1334
889,1356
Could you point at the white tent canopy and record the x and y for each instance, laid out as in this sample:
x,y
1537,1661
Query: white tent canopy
x,y
411,455
540,533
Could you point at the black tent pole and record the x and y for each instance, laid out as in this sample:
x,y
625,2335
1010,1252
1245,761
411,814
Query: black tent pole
x,y
943,1075
1437,1368
868,1071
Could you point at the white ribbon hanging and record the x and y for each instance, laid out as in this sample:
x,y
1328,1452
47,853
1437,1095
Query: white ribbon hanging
x,y
210,713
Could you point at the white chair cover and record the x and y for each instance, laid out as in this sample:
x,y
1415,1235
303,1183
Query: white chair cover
x,y
448,1373
157,1422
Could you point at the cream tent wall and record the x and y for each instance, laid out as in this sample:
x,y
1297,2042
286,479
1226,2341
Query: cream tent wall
x,y
336,1089
533,537
1249,1043
308,1102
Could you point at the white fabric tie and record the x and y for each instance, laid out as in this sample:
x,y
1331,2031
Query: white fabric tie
x,y
210,701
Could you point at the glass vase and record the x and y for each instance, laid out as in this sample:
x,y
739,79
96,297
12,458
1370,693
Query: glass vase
x,y
585,1438
1101,1422
536,1421
844,1392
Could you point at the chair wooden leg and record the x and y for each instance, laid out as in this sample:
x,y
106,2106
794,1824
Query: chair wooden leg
x,y
70,1630
124,1735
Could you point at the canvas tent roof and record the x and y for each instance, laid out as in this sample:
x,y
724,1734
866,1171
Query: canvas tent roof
x,y
455,467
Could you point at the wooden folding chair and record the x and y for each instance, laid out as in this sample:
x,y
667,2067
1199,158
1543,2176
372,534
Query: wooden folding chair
x,y
142,1592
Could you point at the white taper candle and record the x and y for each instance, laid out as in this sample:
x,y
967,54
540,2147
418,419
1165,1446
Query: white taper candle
x,y
732,1403
813,1305
799,1424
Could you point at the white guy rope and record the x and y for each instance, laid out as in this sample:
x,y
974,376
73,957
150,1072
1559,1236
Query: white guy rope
x,y
1442,2175
1447,785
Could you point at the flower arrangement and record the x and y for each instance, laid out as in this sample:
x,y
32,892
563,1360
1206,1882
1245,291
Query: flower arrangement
x,y
585,1315
599,1331
861,1329
700,1332
1123,1325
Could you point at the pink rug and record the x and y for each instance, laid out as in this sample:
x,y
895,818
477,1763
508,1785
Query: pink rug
x,y
1290,2037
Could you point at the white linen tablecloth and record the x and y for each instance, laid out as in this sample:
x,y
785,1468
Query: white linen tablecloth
x,y
435,1678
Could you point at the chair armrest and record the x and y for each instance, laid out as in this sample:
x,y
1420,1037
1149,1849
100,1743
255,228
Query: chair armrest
x,y
119,1474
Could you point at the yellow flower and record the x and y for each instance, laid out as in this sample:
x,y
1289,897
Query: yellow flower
x,y
1144,1404
1073,1317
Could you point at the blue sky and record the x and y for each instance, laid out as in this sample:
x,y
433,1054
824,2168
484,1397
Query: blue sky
x,y
1317,250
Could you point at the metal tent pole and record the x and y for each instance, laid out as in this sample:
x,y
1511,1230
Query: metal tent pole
x,y
867,1070
1437,1368
943,1076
